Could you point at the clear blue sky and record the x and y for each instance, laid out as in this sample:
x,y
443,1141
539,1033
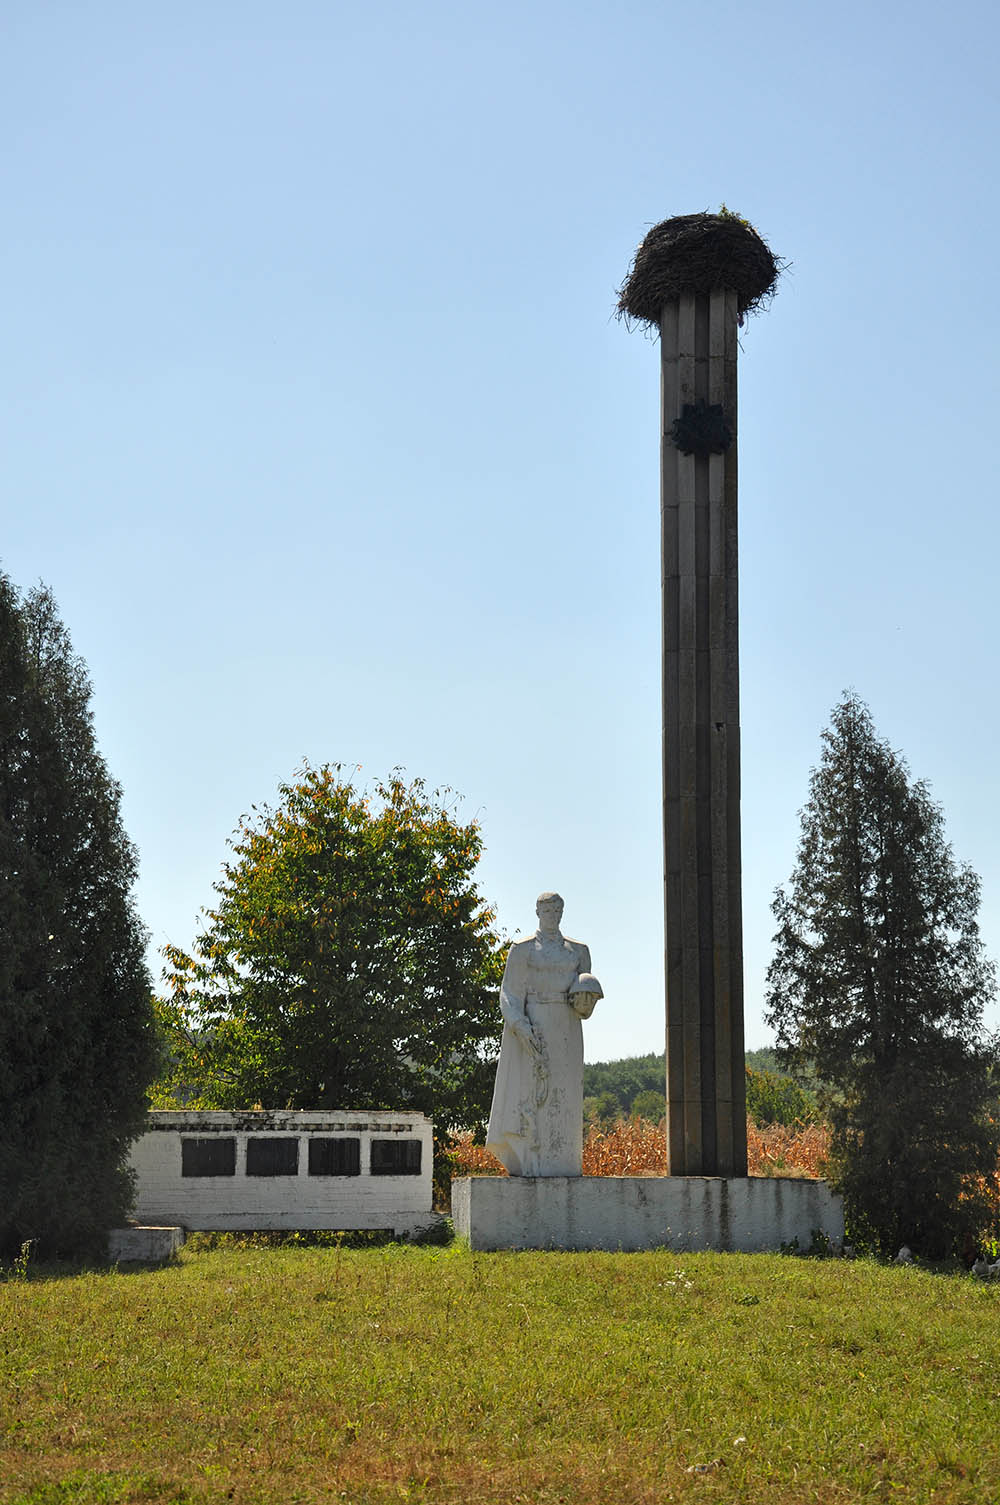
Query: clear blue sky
x,y
316,420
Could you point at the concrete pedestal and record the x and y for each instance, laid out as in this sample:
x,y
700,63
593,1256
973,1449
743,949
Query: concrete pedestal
x,y
143,1245
749,1214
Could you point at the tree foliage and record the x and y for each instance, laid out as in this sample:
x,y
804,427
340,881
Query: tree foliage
x,y
878,982
649,1104
774,1097
349,961
77,1039
601,1108
635,1086
611,1087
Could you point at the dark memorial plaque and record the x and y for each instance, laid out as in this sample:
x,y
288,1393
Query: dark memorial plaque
x,y
272,1156
395,1157
334,1157
208,1157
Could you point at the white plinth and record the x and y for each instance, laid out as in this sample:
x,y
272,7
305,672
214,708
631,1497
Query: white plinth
x,y
298,1197
750,1214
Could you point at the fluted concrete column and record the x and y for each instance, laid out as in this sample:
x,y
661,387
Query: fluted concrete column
x,y
706,1097
693,277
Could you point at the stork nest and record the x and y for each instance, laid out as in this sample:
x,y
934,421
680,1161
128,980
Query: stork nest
x,y
698,253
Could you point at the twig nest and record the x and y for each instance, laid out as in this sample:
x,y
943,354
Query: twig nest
x,y
697,253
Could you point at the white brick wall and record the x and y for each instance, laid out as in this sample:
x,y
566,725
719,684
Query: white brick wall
x,y
220,1203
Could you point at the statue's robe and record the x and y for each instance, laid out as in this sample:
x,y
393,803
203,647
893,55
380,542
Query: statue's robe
x,y
536,1121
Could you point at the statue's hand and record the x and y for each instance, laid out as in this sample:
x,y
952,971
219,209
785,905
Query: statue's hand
x,y
528,1038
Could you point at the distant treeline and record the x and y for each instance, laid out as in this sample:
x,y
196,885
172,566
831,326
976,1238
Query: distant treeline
x,y
634,1087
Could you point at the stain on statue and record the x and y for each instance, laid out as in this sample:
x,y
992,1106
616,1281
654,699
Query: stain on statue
x,y
536,1121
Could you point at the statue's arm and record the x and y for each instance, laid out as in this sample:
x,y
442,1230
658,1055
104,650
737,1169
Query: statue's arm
x,y
584,959
512,992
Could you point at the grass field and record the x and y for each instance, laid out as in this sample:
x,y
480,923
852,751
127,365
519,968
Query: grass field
x,y
407,1374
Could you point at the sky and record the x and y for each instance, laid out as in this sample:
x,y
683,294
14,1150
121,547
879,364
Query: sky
x,y
316,419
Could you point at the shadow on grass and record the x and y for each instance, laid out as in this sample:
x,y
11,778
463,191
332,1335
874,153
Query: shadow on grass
x,y
25,1270
99,1487
73,1269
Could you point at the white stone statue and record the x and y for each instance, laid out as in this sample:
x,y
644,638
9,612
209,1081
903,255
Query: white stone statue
x,y
536,1121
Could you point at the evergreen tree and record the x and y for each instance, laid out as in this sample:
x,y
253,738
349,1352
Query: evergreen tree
x,y
77,1036
349,961
878,982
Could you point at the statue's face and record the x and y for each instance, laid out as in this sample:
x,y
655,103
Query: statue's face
x,y
549,914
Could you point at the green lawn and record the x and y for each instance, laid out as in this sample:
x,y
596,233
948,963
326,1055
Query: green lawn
x,y
403,1374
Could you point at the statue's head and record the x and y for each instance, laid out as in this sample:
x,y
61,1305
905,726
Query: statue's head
x,y
549,910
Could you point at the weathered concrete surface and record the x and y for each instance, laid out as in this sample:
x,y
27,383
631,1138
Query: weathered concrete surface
x,y
706,1098
143,1245
536,1121
750,1214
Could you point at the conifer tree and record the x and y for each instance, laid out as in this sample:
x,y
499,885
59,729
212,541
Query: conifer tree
x,y
77,1037
878,983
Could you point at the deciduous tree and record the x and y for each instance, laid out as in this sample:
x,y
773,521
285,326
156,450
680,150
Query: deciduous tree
x,y
879,982
349,960
621,1081
774,1098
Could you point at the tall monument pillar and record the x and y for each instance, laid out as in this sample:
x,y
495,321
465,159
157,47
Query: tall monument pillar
x,y
693,278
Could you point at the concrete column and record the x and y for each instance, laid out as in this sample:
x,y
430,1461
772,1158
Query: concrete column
x,y
706,1097
694,277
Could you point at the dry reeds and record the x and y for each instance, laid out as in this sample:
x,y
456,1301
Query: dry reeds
x,y
779,1150
637,1147
629,1147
